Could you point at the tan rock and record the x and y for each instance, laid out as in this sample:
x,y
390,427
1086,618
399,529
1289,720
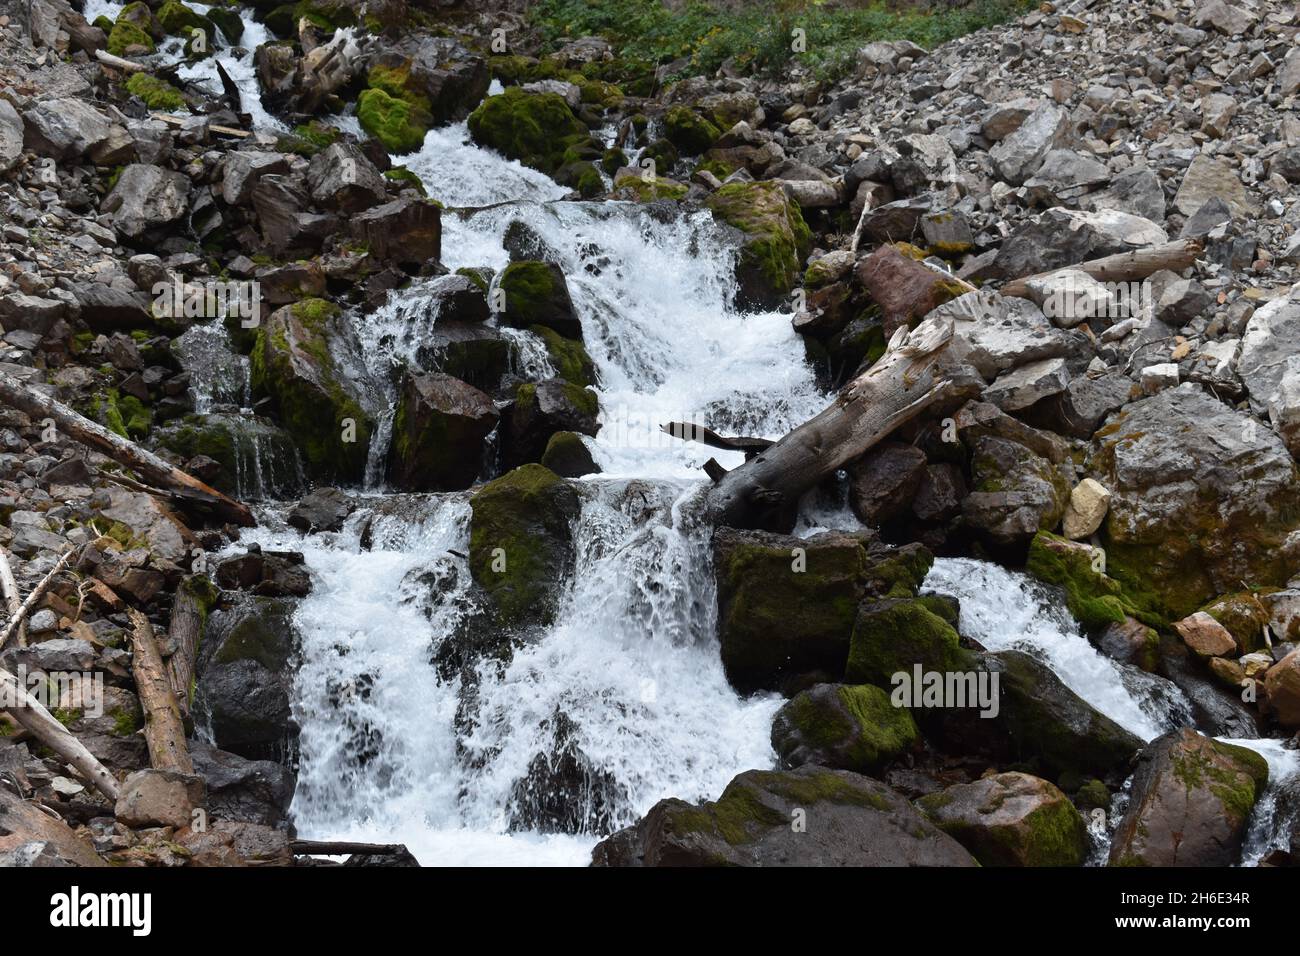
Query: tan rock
x,y
160,798
1282,687
1089,502
1205,636
1229,672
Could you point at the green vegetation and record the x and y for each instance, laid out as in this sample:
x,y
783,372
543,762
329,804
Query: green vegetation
x,y
157,94
758,36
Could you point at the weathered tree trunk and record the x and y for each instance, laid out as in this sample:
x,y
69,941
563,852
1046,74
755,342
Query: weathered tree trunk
x,y
19,614
118,63
164,731
1123,267
149,466
13,601
183,634
30,715
764,492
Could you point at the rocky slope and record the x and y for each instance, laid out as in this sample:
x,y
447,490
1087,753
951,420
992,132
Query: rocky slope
x,y
1132,443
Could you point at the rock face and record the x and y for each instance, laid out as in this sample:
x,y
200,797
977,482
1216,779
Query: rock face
x,y
542,411
842,726
1282,688
1192,798
1011,819
850,821
1202,499
521,543
438,433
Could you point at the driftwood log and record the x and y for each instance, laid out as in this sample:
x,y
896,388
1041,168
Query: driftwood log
x,y
119,63
164,731
146,464
1123,267
764,492
31,716
183,633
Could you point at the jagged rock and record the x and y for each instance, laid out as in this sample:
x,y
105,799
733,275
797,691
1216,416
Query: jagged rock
x,y
521,543
994,334
542,410
1135,191
1064,237
30,836
1016,492
1026,384
281,204
845,727
450,78
253,791
562,791
851,821
341,177
1282,687
241,170
325,509
146,198
268,574
1205,636
1080,409
160,798
536,293
64,129
1270,347
776,239
1192,798
1086,510
1011,819
1065,176
883,483
471,351
1201,499
1209,178
1019,155
405,231
11,136
439,429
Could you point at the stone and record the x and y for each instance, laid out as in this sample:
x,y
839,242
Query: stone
x,y
405,231
255,791
30,836
1224,17
1019,155
1270,350
341,177
1016,492
1207,178
852,821
1027,384
842,726
1089,502
11,136
1136,191
1064,176
145,199
775,244
160,798
438,434
64,129
1011,819
1205,636
1191,802
1005,118
1217,111
1282,690
539,412
1157,378
325,509
1060,238
883,482
1070,296
536,293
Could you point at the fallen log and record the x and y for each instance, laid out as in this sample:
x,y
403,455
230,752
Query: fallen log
x,y
1124,266
118,63
764,492
164,731
19,615
341,848
183,633
148,465
13,600
29,714
689,431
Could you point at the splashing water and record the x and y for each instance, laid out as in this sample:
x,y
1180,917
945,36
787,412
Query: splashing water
x,y
1278,810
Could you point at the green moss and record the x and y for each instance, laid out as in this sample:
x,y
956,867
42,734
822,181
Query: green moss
x,y
779,237
1237,788
125,36
534,128
317,133
862,733
406,177
179,20
569,356
612,160
1094,599
650,190
583,176
690,132
398,125
125,723
157,94
893,636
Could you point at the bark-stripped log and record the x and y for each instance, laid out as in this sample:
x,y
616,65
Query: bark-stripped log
x,y
19,614
183,634
764,492
164,731
1123,267
148,465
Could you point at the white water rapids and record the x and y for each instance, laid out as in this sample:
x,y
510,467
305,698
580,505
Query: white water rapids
x,y
390,752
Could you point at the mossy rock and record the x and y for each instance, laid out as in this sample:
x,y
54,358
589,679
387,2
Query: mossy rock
x,y
536,293
124,415
521,543
848,727
255,459
407,178
645,189
569,356
690,132
583,177
662,153
1244,615
892,636
778,239
534,128
291,363
1011,819
568,456
126,39
157,94
1094,599
229,22
180,21
612,160
396,123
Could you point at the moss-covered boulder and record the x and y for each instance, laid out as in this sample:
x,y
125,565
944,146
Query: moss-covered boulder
x,y
811,816
894,636
776,240
471,351
631,184
1192,798
443,78
1095,600
1011,819
690,132
521,543
398,124
569,356
155,93
787,605
539,412
1244,615
134,32
439,430
583,176
229,22
291,363
181,21
534,128
848,727
568,456
1202,500
536,293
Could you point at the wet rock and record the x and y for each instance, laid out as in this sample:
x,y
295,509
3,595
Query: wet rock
x,y
776,240
1192,798
341,177
539,412
883,482
1282,687
521,543
253,791
535,293
405,231
534,128
439,430
851,821
845,727
562,792
1011,819
568,456
265,573
325,509
473,352
451,79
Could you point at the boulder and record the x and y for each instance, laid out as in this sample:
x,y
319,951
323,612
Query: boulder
x,y
1270,350
904,289
1210,178
340,177
240,170
536,293
253,791
160,798
405,231
521,543
895,635
11,136
883,482
30,836
1061,237
325,509
776,240
842,726
540,412
807,817
534,128
439,430
1016,492
1086,509
568,456
1011,819
1019,155
1282,689
64,129
145,199
994,334
1206,637
1192,798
